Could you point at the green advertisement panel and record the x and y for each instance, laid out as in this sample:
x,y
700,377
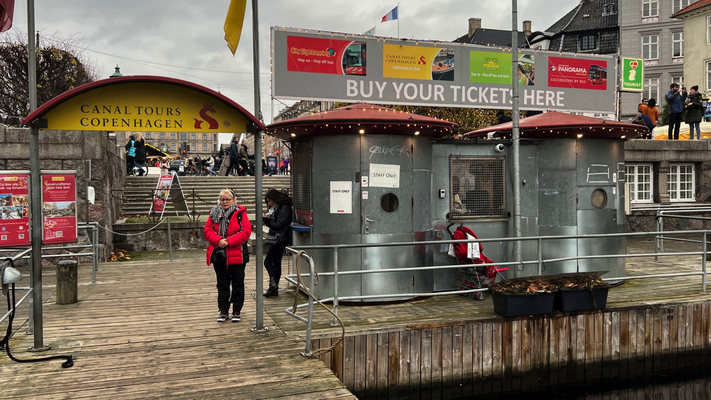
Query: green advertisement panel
x,y
490,67
632,73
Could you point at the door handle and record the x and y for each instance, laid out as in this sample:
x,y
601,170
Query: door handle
x,y
367,223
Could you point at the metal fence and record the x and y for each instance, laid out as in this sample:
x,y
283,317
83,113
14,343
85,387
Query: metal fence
x,y
539,262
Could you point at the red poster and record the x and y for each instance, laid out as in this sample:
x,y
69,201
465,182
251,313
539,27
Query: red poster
x,y
577,73
59,201
14,211
326,56
162,192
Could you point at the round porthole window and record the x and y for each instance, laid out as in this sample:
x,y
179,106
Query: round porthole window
x,y
599,198
389,202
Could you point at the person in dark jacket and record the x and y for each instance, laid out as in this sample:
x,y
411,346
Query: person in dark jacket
x,y
130,154
694,112
675,100
140,154
243,157
234,157
228,227
278,219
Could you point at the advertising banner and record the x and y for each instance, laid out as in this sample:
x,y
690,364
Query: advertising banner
x,y
14,209
632,72
354,68
160,196
59,203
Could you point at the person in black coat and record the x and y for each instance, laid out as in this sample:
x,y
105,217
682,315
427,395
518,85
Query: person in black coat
x,y
278,219
234,157
140,154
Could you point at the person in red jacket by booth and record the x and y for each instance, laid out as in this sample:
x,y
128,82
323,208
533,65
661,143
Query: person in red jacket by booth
x,y
227,230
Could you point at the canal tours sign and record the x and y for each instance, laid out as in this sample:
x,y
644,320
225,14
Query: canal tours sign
x,y
317,65
143,103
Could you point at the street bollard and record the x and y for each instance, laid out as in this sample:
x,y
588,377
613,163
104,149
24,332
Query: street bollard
x,y
67,282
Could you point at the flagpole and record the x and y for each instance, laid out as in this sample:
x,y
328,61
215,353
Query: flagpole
x,y
398,20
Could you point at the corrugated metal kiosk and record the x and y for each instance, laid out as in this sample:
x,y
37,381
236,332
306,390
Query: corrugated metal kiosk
x,y
367,174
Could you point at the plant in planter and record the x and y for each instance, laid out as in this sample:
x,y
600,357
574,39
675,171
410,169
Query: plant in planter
x,y
580,292
524,296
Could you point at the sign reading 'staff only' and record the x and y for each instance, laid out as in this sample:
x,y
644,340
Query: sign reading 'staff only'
x,y
339,67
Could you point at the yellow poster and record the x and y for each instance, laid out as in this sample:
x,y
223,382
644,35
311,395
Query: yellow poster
x,y
408,62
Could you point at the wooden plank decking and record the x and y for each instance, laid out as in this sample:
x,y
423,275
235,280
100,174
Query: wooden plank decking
x,y
148,330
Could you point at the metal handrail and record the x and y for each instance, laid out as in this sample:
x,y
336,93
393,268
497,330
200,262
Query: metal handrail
x,y
29,291
659,222
540,261
310,315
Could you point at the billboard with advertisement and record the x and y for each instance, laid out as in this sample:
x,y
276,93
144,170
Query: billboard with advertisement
x,y
14,209
59,207
314,66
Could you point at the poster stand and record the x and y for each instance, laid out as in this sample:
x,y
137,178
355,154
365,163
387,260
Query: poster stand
x,y
168,186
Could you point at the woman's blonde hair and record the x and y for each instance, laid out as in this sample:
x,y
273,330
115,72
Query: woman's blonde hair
x,y
139,136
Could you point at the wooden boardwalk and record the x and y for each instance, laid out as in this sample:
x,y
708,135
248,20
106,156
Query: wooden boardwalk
x,y
148,330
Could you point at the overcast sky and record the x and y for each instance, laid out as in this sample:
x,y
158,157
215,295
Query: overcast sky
x,y
184,39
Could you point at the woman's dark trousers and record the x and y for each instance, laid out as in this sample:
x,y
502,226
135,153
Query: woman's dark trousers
x,y
272,262
226,275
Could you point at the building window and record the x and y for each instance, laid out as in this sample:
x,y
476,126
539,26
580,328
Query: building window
x,y
708,30
204,147
162,146
204,136
588,42
214,147
609,9
477,187
192,136
678,44
172,135
681,183
183,135
679,4
651,88
162,135
708,75
679,80
214,136
148,135
172,147
650,8
650,47
639,177
192,146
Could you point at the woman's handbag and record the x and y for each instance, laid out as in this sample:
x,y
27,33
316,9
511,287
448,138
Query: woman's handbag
x,y
219,256
271,239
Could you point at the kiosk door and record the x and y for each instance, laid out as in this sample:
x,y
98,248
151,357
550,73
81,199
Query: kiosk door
x,y
386,211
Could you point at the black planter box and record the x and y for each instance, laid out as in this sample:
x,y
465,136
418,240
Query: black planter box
x,y
569,300
520,304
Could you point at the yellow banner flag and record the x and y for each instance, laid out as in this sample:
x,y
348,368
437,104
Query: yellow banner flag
x,y
234,22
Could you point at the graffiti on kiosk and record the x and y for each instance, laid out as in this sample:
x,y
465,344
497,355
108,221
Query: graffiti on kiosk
x,y
389,151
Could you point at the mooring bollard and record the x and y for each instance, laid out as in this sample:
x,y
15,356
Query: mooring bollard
x,y
67,282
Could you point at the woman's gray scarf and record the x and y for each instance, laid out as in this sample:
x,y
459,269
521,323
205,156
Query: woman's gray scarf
x,y
222,217
272,210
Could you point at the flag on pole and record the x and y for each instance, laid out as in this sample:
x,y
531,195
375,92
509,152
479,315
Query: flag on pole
x,y
7,8
369,32
392,15
233,23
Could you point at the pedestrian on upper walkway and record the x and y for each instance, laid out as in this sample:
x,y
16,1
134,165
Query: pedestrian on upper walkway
x,y
694,112
675,100
234,157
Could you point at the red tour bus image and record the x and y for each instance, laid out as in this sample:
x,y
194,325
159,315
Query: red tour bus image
x,y
597,75
354,59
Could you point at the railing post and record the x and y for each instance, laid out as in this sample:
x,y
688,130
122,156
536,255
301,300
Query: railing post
x,y
95,252
661,229
170,241
310,315
335,286
703,267
540,256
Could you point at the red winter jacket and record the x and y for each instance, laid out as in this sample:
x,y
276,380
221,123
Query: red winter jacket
x,y
237,233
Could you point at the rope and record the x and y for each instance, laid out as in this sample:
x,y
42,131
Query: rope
x,y
133,234
315,353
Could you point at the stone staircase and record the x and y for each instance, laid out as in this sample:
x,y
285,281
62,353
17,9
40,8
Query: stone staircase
x,y
200,192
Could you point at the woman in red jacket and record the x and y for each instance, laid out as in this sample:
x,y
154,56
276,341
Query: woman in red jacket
x,y
228,228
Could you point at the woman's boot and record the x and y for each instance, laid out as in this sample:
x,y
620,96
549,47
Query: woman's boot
x,y
273,288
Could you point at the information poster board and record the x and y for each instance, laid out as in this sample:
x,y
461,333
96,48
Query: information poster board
x,y
59,207
160,196
341,200
14,209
